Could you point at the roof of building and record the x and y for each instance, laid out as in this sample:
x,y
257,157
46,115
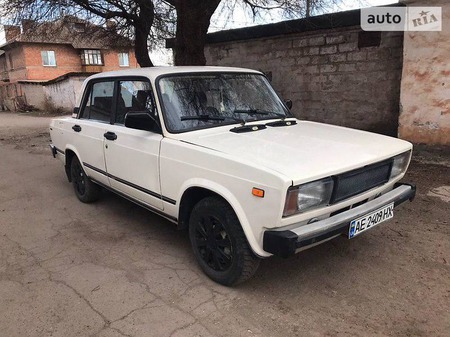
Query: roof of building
x,y
58,79
79,33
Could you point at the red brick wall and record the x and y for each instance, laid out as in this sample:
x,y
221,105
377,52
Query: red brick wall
x,y
111,60
16,68
3,68
67,60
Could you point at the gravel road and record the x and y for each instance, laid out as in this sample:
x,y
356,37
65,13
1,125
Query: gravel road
x,y
114,269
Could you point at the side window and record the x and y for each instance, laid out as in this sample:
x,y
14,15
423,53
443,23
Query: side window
x,y
133,96
99,102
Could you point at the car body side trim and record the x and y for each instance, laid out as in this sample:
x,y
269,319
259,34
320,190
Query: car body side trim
x,y
137,202
139,188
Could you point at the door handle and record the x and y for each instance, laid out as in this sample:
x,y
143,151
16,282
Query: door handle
x,y
76,128
110,135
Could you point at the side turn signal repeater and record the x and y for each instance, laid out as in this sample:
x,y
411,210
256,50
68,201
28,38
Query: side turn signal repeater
x,y
257,192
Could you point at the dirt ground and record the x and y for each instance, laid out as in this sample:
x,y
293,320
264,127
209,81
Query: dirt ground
x,y
114,269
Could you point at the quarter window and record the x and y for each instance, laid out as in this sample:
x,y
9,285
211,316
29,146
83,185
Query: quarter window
x,y
134,96
48,58
99,103
124,60
91,57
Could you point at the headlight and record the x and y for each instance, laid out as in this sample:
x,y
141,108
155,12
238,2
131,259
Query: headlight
x,y
308,196
400,164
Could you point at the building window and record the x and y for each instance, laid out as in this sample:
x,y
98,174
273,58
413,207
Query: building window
x,y
124,60
91,57
48,58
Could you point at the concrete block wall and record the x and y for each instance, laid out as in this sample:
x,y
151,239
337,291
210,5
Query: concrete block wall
x,y
326,75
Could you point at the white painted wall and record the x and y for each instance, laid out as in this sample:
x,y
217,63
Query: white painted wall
x,y
66,93
425,87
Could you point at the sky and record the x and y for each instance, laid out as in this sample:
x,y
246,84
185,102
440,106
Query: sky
x,y
242,18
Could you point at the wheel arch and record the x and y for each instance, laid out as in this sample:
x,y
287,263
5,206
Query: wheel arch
x,y
189,199
70,153
201,189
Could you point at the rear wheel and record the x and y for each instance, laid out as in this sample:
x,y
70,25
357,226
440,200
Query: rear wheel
x,y
85,190
219,243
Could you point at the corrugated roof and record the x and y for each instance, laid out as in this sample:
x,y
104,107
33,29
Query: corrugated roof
x,y
74,31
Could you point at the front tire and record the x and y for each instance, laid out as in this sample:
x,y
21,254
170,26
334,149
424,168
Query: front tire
x,y
219,243
85,190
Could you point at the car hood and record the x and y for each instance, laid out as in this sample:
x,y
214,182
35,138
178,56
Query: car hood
x,y
302,152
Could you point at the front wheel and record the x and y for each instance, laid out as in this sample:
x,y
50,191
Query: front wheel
x,y
85,190
219,243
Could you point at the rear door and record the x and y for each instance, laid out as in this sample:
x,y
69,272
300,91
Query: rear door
x,y
132,156
94,118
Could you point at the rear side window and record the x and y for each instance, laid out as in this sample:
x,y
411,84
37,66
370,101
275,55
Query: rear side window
x,y
99,102
134,96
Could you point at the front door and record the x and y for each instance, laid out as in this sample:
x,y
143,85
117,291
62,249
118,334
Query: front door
x,y
132,156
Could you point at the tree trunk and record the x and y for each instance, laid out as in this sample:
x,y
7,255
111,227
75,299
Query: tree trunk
x,y
141,48
142,28
193,19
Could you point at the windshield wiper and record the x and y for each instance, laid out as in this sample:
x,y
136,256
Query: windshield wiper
x,y
202,118
259,112
211,118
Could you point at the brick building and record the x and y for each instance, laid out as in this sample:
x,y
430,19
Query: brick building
x,y
60,53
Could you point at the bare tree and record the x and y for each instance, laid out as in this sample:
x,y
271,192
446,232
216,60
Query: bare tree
x,y
193,20
132,18
159,19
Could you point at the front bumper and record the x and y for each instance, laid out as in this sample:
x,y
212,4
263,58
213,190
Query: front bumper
x,y
287,242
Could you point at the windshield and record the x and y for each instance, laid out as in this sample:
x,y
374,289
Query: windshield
x,y
195,101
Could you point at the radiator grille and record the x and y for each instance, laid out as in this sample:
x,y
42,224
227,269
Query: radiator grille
x,y
354,182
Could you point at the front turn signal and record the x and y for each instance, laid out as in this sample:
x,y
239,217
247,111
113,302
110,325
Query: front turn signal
x,y
257,192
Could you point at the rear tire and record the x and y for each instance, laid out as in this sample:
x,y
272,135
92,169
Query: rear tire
x,y
85,190
219,243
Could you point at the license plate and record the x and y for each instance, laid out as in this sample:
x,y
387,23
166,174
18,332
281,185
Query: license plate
x,y
370,220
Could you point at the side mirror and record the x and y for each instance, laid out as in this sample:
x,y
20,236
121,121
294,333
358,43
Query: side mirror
x,y
75,112
141,121
288,104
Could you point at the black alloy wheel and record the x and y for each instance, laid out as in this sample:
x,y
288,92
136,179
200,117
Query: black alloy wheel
x,y
219,243
85,190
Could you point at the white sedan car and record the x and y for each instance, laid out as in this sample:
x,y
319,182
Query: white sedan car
x,y
216,151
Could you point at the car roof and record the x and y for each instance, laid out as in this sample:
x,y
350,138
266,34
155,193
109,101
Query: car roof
x,y
154,72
